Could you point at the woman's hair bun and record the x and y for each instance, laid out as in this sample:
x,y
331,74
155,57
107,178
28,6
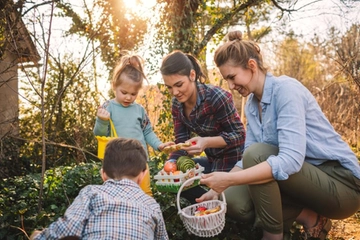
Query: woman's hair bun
x,y
234,35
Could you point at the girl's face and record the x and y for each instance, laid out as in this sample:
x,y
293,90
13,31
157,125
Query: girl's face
x,y
238,78
127,91
182,87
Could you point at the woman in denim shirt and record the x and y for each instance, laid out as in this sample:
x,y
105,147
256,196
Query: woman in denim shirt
x,y
295,166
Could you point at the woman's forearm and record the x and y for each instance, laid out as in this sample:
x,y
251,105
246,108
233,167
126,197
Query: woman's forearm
x,y
258,174
215,142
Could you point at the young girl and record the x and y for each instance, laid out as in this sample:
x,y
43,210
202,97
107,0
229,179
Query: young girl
x,y
129,118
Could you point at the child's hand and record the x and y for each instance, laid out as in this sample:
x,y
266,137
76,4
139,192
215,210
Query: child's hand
x,y
34,234
103,114
163,145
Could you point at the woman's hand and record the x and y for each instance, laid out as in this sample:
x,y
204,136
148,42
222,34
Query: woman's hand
x,y
217,181
198,145
103,114
210,195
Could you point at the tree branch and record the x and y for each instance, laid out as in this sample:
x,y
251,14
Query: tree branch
x,y
221,22
54,144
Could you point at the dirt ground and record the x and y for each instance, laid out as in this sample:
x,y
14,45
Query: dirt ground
x,y
347,229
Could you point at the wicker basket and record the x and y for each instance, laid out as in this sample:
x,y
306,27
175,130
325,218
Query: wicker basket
x,y
206,225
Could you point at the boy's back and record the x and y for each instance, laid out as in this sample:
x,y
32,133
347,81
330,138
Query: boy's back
x,y
117,209
117,205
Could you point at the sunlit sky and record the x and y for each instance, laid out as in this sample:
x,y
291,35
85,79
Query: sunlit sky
x,y
140,5
322,14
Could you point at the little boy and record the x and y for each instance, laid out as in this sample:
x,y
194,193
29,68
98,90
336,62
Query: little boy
x,y
117,209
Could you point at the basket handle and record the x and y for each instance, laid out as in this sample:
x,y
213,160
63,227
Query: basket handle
x,y
113,131
184,184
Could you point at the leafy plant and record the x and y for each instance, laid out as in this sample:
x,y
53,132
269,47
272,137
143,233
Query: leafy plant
x,y
19,197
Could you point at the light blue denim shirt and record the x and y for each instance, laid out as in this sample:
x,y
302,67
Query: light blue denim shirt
x,y
293,121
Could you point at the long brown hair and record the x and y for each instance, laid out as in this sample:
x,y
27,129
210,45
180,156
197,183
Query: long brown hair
x,y
178,62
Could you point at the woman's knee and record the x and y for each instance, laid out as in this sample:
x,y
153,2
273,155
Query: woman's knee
x,y
257,153
239,204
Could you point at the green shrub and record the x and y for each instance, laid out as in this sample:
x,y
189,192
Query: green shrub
x,y
19,198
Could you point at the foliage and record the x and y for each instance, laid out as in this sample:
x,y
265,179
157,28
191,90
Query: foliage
x,y
19,197
165,124
191,25
299,60
157,103
346,53
2,32
11,162
69,114
114,27
6,26
339,102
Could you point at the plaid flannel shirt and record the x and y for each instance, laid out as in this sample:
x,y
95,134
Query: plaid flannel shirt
x,y
213,115
114,210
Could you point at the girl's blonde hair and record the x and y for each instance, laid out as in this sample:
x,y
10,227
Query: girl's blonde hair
x,y
238,52
131,66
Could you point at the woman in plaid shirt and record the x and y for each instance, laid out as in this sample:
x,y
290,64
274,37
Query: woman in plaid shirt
x,y
203,110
